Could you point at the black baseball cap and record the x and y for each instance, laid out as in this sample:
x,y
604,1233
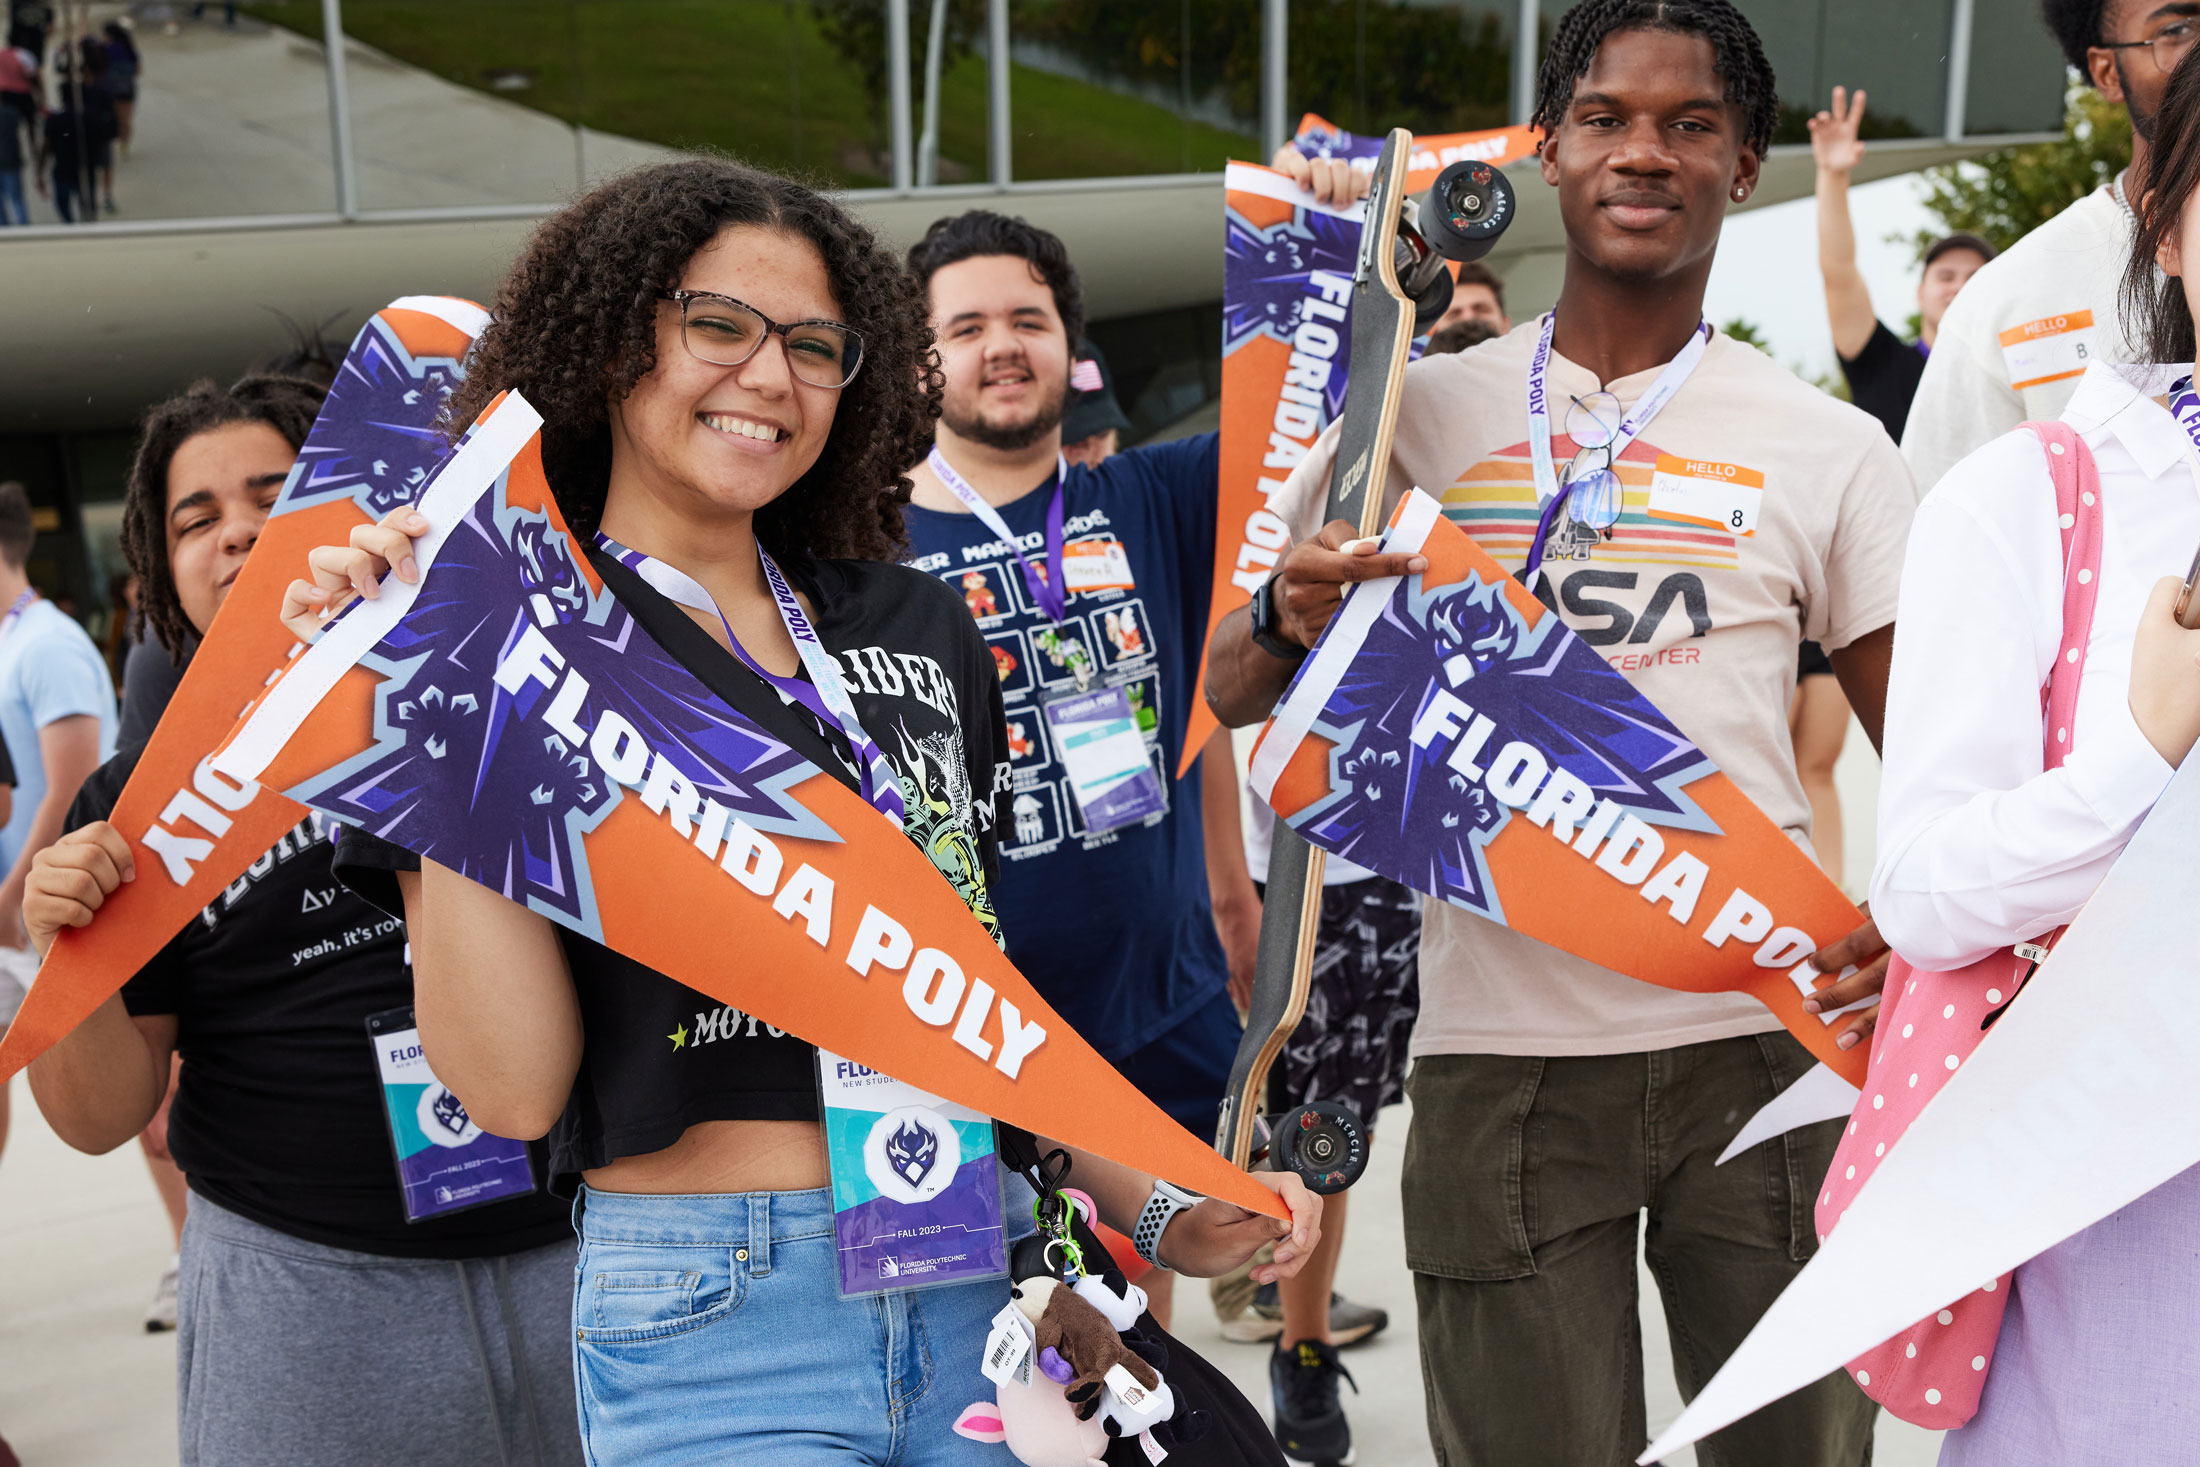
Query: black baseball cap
x,y
1969,242
1095,410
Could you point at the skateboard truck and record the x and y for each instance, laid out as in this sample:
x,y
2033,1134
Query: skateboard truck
x,y
1462,216
1325,1144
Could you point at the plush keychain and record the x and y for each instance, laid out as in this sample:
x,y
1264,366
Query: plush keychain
x,y
1081,1376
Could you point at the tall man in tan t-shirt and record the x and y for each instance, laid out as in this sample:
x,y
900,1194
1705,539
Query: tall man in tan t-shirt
x,y
1555,1103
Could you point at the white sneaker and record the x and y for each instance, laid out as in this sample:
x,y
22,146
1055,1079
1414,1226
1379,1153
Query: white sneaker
x,y
160,1315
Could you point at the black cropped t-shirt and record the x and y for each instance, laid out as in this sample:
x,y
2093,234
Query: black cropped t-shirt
x,y
658,1057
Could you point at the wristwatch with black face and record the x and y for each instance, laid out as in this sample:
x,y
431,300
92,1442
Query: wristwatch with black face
x,y
1265,631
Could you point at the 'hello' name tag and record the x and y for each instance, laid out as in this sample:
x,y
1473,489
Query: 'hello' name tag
x,y
1096,565
1715,496
2050,349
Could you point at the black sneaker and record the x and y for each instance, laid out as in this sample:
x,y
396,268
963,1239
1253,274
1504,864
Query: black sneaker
x,y
1310,1424
1349,1322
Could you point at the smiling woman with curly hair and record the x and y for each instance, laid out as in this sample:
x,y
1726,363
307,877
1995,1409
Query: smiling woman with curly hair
x,y
577,323
732,376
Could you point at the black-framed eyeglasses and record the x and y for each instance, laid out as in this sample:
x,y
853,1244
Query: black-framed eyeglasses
x,y
725,332
2167,45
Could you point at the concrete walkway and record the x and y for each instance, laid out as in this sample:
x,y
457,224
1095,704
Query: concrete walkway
x,y
82,1240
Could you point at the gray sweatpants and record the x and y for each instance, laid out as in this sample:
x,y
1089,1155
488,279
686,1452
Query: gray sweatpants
x,y
290,1352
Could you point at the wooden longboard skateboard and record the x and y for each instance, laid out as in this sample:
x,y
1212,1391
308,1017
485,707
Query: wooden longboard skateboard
x,y
1399,285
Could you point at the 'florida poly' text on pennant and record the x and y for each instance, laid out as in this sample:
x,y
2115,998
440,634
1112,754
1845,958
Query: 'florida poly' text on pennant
x,y
1286,343
373,446
1450,732
509,719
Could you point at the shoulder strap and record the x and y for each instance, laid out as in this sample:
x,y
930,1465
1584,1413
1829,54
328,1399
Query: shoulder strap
x,y
2078,513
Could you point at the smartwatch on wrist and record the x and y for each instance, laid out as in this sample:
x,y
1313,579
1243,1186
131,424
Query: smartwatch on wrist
x,y
1265,629
1166,1202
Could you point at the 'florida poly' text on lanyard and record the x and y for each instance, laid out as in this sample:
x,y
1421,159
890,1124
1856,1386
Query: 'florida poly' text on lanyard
x,y
1049,590
1550,494
822,693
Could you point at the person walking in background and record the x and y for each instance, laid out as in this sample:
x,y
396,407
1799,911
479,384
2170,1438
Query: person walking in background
x,y
64,157
123,66
2056,288
14,152
57,720
97,101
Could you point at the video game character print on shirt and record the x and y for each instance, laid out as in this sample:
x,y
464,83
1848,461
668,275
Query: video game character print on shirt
x,y
1106,636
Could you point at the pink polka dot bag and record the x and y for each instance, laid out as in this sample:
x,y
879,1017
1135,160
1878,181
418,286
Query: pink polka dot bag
x,y
1932,1373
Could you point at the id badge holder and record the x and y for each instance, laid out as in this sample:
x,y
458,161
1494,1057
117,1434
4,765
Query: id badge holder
x,y
445,1163
1111,775
916,1184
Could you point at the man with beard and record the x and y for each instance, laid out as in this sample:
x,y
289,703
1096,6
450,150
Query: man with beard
x,y
1091,586
2014,344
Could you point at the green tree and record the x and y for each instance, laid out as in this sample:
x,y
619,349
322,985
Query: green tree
x,y
2004,196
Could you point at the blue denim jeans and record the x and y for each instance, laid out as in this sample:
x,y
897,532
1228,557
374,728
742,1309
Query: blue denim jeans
x,y
11,189
711,1329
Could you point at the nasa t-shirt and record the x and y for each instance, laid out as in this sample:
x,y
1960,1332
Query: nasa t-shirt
x,y
1756,511
1114,928
279,1114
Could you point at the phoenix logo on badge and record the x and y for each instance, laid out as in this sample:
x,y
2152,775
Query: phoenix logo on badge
x,y
912,1154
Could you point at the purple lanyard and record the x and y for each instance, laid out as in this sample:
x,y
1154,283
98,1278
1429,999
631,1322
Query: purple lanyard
x,y
15,611
1044,583
822,693
2184,406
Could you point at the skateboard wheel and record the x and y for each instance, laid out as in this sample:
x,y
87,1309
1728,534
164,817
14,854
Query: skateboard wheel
x,y
1435,299
1325,1144
1468,207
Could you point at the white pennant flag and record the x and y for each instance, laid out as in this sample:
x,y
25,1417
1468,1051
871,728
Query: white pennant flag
x,y
2085,1097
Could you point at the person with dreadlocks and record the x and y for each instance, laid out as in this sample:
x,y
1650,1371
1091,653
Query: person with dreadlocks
x,y
1556,1102
301,1279
2014,345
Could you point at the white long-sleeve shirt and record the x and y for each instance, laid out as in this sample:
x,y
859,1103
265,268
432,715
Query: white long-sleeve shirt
x,y
1980,845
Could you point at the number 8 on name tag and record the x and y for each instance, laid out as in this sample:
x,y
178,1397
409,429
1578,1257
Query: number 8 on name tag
x,y
1693,491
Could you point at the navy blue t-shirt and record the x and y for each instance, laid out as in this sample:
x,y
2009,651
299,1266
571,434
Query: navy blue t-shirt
x,y
1115,930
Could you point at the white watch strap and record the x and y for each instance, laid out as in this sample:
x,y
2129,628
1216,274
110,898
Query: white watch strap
x,y
1166,1202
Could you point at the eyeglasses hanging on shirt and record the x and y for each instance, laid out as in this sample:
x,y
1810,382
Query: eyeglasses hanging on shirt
x,y
822,693
1591,493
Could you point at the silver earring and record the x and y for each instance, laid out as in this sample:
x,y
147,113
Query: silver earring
x,y
1740,193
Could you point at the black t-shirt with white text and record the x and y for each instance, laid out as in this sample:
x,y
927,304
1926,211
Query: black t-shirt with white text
x,y
278,1114
658,1056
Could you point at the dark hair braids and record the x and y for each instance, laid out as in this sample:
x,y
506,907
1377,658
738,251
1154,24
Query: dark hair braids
x,y
1736,53
2076,25
575,328
983,232
2156,315
287,404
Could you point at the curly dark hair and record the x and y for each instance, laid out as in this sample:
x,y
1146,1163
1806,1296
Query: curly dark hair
x,y
2076,25
287,404
1736,54
2155,312
574,329
983,232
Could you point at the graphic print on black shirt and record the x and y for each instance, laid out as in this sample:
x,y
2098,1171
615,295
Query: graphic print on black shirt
x,y
660,1056
279,1112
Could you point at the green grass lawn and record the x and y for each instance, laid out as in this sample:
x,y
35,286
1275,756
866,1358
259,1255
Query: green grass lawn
x,y
760,80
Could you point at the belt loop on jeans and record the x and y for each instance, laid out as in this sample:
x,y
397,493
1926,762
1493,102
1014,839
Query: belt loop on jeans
x,y
760,1234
